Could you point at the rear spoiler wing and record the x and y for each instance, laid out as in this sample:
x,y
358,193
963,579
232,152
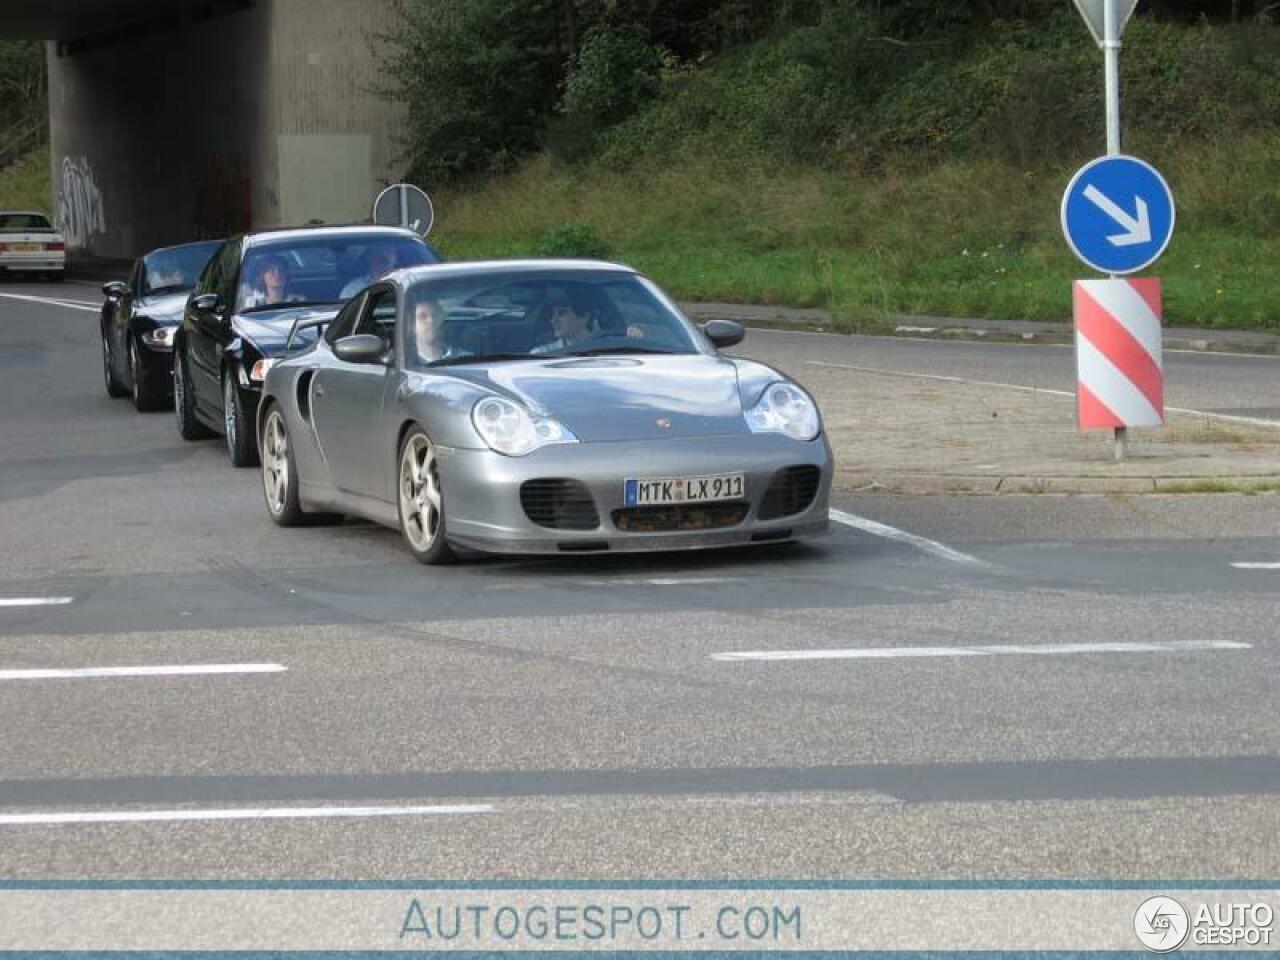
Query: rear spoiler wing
x,y
304,321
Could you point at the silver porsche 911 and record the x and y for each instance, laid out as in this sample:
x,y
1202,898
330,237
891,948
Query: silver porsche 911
x,y
539,407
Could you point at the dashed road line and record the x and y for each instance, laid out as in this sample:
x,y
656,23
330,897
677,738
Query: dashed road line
x,y
993,650
35,601
1256,565
931,547
233,813
100,673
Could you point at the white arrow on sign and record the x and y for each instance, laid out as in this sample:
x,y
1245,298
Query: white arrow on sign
x,y
1139,227
1094,13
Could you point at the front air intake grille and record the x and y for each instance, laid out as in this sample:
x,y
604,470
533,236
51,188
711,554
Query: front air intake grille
x,y
791,490
559,504
679,516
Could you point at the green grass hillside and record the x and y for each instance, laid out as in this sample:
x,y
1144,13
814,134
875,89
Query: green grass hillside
x,y
830,166
25,184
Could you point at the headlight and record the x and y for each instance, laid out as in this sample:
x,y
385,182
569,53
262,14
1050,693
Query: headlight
x,y
259,371
508,429
785,409
160,337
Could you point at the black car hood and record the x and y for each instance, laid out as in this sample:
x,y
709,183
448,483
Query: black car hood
x,y
268,330
164,308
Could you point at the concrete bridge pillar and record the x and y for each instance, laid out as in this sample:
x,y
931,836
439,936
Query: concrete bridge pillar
x,y
244,114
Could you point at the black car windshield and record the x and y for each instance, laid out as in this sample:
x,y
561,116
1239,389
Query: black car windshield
x,y
323,269
174,269
520,315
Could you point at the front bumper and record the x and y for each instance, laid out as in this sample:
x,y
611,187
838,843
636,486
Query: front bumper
x,y
484,510
155,368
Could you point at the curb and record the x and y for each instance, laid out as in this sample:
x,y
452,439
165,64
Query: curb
x,y
1017,484
930,328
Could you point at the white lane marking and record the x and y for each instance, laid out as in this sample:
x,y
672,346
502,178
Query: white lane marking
x,y
1227,417
34,601
1256,565
658,581
931,547
232,813
188,670
50,302
994,650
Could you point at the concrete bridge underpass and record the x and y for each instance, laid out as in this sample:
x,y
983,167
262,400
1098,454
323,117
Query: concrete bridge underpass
x,y
173,120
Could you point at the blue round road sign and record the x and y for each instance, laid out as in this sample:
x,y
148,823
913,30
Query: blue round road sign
x,y
1118,214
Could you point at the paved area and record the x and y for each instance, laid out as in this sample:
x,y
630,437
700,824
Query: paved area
x,y
938,417
944,687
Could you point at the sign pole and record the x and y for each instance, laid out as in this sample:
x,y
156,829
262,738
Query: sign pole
x,y
1111,57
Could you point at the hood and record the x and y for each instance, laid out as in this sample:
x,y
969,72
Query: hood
x,y
268,330
164,307
623,398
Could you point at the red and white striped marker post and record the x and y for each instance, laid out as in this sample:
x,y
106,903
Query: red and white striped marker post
x,y
1119,360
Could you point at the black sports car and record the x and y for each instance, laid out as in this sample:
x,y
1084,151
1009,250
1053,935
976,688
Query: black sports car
x,y
249,298
140,317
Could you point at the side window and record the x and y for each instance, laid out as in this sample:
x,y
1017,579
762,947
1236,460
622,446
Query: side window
x,y
228,267
211,275
379,315
344,322
137,280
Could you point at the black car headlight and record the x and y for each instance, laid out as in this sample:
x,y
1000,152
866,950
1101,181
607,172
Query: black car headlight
x,y
160,338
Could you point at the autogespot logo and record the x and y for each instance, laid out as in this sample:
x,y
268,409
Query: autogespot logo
x,y
1161,924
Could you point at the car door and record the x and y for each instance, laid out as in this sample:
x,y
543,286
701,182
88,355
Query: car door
x,y
347,400
209,332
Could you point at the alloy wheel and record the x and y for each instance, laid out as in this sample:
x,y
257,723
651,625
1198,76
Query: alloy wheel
x,y
420,499
275,462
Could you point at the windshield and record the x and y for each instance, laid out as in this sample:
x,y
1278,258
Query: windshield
x,y
323,269
175,268
522,315
24,223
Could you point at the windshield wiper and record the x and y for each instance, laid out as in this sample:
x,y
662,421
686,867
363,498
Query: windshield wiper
x,y
482,358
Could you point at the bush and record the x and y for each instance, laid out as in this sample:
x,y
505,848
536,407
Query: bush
x,y
573,240
615,72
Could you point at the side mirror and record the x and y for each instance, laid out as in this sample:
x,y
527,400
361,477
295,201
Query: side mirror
x,y
114,289
207,303
361,348
723,333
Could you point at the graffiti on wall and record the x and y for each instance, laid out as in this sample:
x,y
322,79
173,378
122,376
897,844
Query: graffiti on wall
x,y
80,214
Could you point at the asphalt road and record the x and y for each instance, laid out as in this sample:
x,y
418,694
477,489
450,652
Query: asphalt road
x,y
1032,687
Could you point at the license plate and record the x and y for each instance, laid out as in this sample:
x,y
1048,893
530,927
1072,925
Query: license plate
x,y
722,486
27,247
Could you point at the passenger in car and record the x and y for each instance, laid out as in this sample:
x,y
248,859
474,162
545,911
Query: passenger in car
x,y
429,332
271,285
380,260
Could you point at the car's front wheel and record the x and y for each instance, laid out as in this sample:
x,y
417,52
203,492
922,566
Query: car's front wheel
x,y
241,445
280,480
144,397
421,499
114,387
184,404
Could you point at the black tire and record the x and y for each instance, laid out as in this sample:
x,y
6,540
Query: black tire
x,y
114,387
184,404
240,431
280,482
424,535
57,276
145,398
